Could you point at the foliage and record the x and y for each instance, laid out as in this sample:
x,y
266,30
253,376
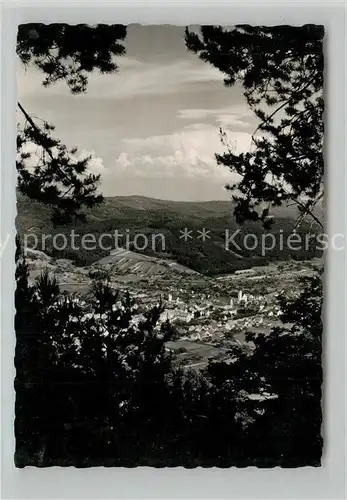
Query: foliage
x,y
281,71
95,385
60,176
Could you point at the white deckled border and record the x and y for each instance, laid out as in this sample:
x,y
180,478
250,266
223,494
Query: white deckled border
x,y
326,482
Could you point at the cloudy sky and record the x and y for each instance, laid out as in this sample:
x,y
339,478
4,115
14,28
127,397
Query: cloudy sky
x,y
152,127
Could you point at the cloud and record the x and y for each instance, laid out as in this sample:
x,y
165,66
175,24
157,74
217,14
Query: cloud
x,y
152,127
188,154
95,165
137,78
233,116
133,79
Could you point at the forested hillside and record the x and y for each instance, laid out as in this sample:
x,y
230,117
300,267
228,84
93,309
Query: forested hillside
x,y
136,215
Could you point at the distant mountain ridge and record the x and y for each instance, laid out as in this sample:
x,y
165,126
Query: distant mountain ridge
x,y
32,213
134,215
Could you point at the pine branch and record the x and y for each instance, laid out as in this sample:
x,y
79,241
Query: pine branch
x,y
38,135
307,210
287,101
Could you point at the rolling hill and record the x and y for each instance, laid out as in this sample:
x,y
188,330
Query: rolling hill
x,y
161,222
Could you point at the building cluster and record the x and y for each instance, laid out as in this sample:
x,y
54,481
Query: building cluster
x,y
206,310
209,320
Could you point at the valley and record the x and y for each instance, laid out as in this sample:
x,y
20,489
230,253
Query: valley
x,y
211,315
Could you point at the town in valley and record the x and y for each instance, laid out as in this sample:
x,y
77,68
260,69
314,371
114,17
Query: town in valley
x,y
209,314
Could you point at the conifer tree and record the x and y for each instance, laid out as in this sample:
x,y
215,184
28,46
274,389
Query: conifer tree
x,y
60,176
280,69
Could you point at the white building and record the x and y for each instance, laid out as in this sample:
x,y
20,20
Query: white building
x,y
241,297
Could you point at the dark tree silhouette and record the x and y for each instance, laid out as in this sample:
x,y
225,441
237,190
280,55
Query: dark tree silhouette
x,y
96,386
60,177
281,71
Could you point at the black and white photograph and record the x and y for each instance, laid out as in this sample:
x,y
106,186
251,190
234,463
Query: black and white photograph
x,y
170,242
